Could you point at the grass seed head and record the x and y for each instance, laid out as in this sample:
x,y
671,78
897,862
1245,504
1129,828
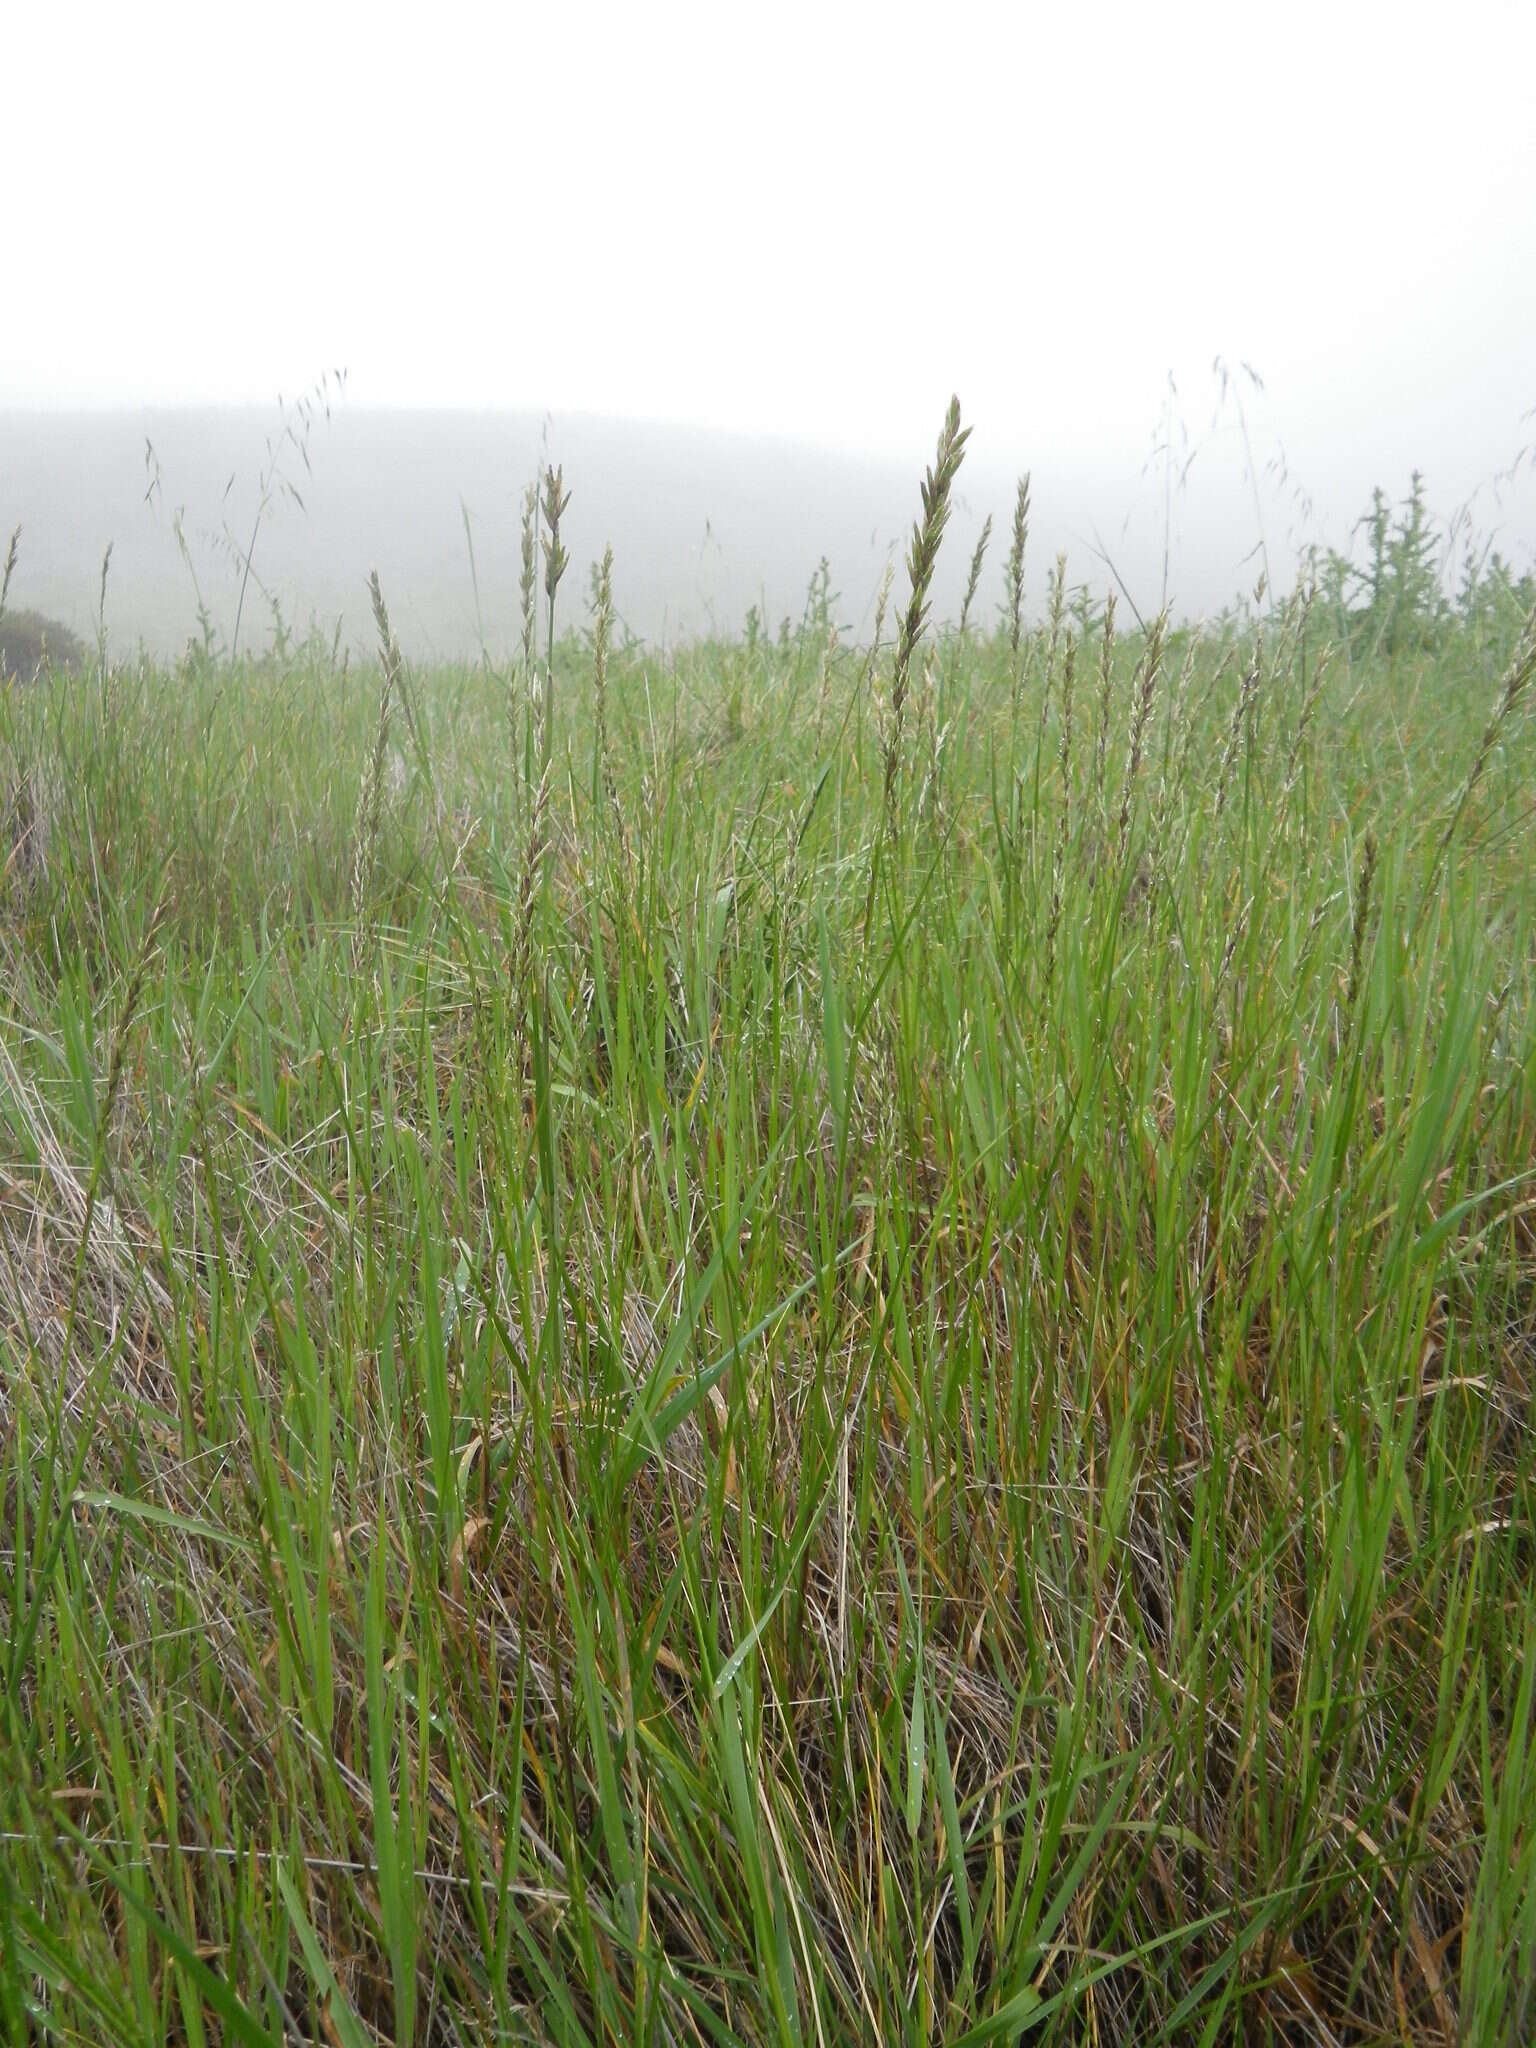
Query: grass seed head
x,y
10,567
1016,566
1068,686
602,628
528,581
370,803
556,559
922,556
1362,921
974,578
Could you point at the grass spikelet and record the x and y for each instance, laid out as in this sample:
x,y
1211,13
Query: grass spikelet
x,y
1105,700
556,560
1141,712
1058,599
1015,579
882,602
370,802
528,580
602,627
101,636
101,604
1361,923
10,567
974,578
922,555
524,704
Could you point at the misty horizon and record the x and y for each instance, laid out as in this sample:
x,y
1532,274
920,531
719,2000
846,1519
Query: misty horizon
x,y
1102,220
704,524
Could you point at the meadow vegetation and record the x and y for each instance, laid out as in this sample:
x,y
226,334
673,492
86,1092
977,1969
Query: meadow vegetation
x,y
812,1342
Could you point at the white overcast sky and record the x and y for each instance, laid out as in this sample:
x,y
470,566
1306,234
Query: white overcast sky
x,y
807,220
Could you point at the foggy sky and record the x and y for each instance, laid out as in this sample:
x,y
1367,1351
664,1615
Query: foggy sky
x,y
798,227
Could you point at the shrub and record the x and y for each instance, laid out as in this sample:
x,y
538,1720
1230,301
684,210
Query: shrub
x,y
29,642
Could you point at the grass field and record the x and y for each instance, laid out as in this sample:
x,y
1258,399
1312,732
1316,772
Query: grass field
x,y
799,1344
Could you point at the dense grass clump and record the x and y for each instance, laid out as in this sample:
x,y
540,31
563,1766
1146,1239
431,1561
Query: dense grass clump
x,y
856,1366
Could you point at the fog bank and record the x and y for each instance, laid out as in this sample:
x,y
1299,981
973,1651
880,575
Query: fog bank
x,y
703,524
